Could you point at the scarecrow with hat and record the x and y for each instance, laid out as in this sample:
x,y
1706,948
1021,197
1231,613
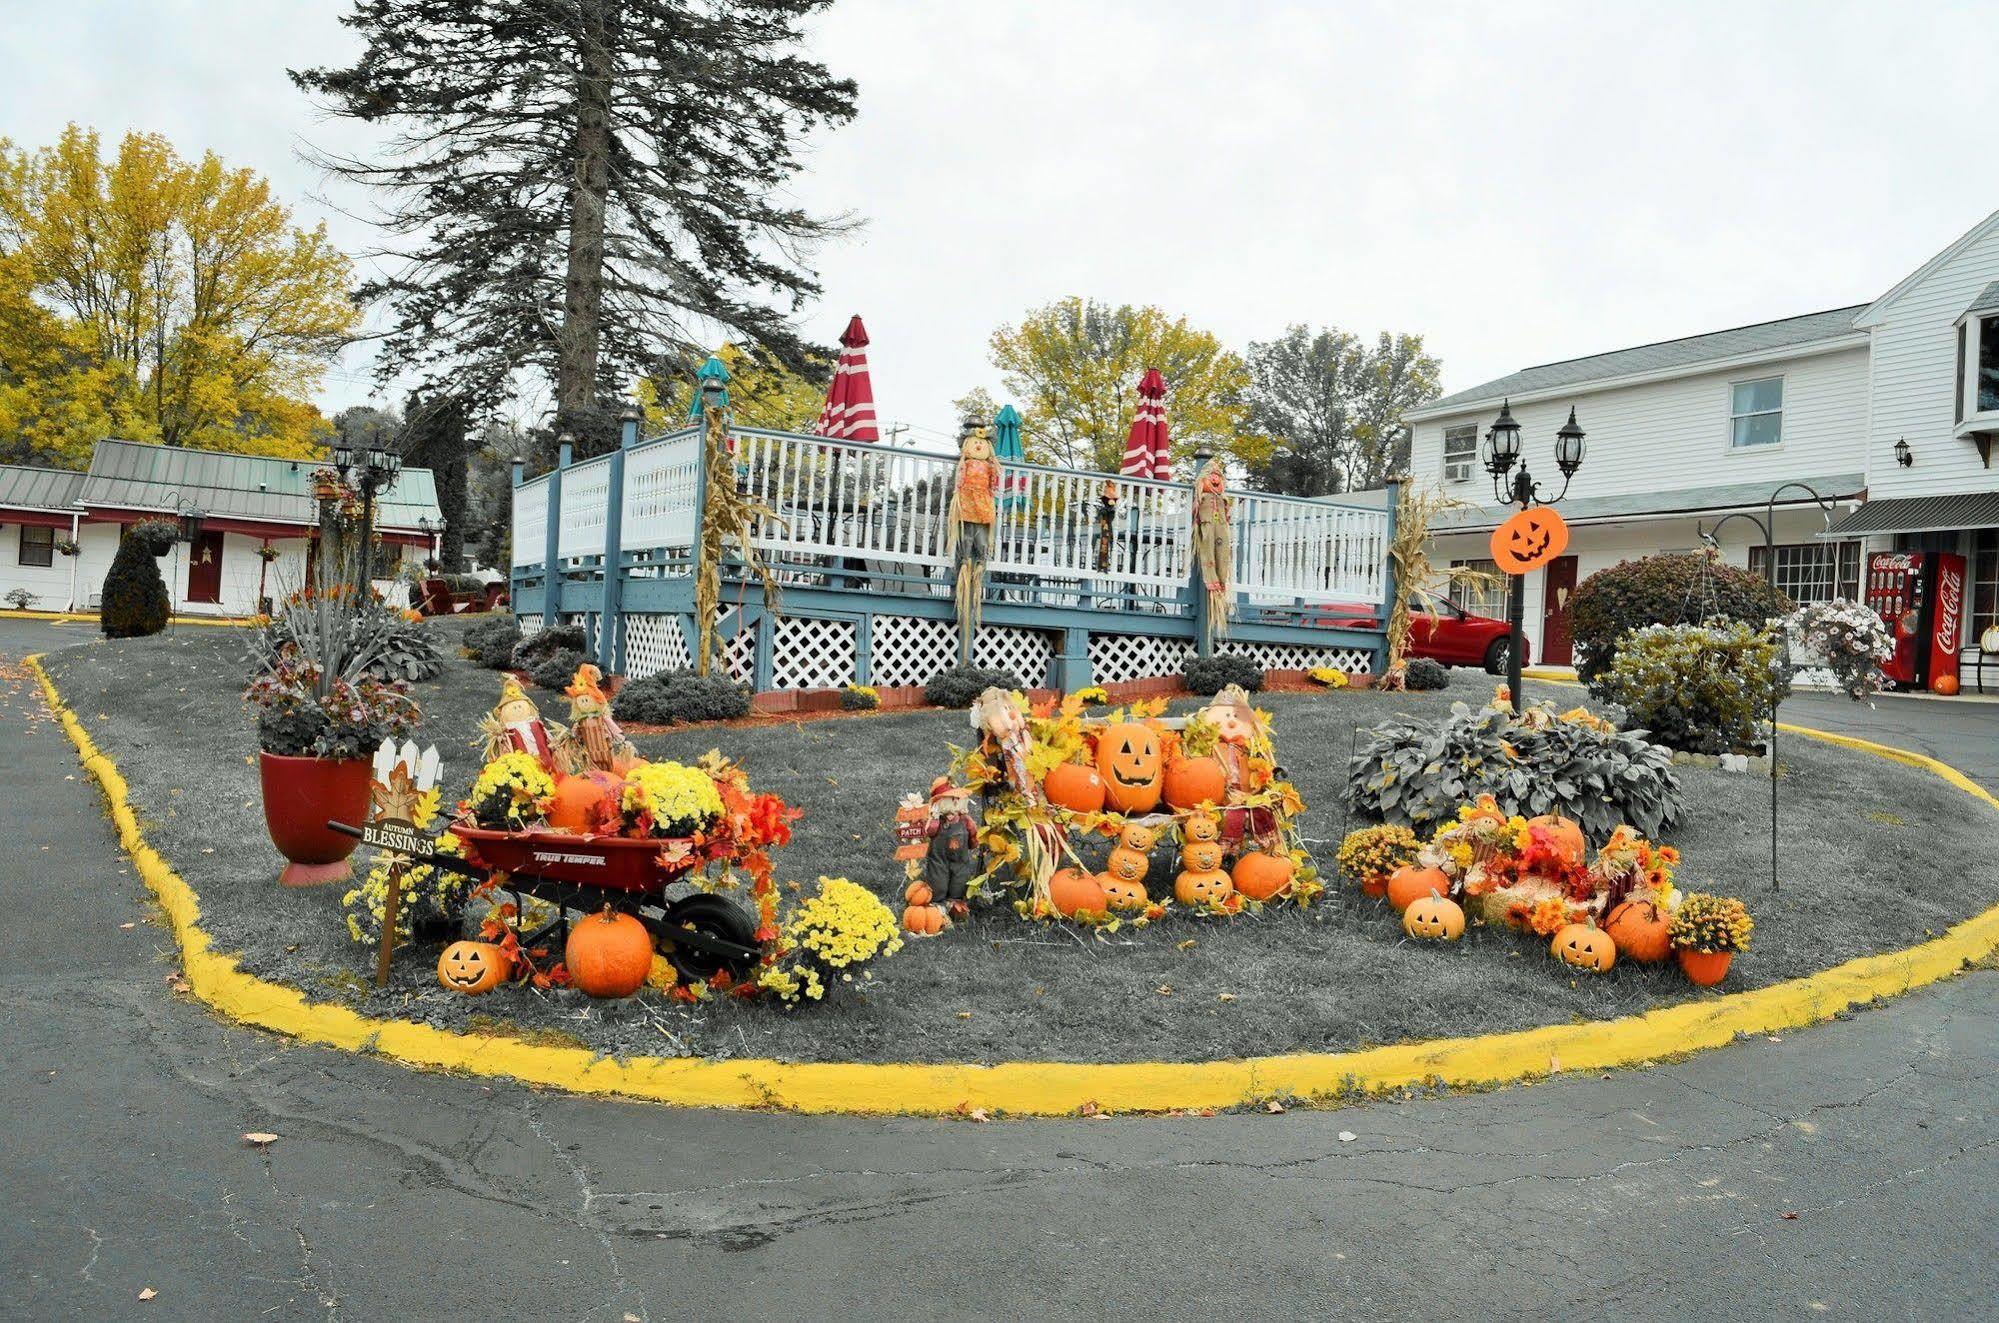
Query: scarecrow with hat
x,y
950,861
515,726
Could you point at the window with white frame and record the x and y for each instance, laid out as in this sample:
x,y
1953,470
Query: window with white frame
x,y
1756,412
1984,612
1460,452
1813,571
1977,366
1481,599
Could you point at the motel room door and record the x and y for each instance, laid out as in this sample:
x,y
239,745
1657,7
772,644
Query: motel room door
x,y
204,568
1557,649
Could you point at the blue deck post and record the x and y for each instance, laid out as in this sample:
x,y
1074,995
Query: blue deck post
x,y
864,654
1072,663
1394,490
519,472
551,574
610,631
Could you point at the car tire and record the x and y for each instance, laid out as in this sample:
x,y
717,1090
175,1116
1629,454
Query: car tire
x,y
1495,656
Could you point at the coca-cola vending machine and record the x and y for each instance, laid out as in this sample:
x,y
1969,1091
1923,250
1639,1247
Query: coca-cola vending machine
x,y
1919,595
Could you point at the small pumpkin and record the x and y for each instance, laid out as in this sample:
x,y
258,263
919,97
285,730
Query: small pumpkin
x,y
917,892
1946,685
1409,884
1202,888
1191,781
1076,787
1260,876
1584,946
473,967
1434,918
923,920
1561,837
1122,893
1128,865
608,954
1202,827
1072,891
1641,931
585,803
1202,856
1128,759
1138,836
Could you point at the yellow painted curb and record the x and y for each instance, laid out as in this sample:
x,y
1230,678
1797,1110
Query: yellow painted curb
x,y
1043,1088
91,618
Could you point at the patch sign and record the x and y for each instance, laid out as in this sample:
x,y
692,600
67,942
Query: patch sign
x,y
1529,539
398,838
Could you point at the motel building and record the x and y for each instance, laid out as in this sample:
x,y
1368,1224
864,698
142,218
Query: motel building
x,y
60,528
1888,409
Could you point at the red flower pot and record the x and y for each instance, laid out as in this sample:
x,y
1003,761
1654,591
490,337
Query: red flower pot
x,y
1374,885
1704,969
300,794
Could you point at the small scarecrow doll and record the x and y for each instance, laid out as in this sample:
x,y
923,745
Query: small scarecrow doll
x,y
594,738
950,861
1001,726
1244,754
968,527
1212,547
515,726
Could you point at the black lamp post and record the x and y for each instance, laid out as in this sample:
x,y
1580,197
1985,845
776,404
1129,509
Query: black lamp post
x,y
372,469
1511,487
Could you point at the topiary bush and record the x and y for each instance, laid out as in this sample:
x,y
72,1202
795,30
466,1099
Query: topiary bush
x,y
134,599
530,652
959,685
1578,765
1701,688
491,643
1210,675
1676,589
557,669
1423,673
671,697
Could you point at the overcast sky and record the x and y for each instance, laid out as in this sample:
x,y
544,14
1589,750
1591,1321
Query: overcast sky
x,y
1518,182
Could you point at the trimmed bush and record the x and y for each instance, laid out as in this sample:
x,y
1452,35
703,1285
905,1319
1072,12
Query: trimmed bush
x,y
1701,688
1423,673
557,669
530,652
1210,675
491,643
959,685
860,698
671,697
1678,589
134,602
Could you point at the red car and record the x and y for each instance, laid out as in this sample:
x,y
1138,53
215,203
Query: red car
x,y
1441,630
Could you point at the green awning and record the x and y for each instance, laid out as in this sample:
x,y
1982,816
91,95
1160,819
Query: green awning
x,y
1920,514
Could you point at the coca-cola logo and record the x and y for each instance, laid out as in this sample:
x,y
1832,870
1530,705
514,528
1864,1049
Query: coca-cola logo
x,y
1950,600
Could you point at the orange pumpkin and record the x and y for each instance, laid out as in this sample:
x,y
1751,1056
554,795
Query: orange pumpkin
x,y
1128,758
608,954
585,803
1191,781
917,893
923,920
1260,876
1123,893
1202,888
1532,537
1640,931
1138,836
473,967
1202,856
1409,884
1076,787
1434,918
1129,865
1561,837
1946,685
1072,890
1202,827
1584,946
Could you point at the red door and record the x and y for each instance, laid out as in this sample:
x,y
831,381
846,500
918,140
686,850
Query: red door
x,y
204,568
1556,647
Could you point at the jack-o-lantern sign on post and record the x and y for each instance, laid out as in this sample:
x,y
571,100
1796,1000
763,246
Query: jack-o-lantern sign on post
x,y
1536,534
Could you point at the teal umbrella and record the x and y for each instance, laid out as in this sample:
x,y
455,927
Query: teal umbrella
x,y
1007,449
713,370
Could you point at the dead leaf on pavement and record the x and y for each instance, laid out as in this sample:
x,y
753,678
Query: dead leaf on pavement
x,y
148,1293
1273,1106
261,1138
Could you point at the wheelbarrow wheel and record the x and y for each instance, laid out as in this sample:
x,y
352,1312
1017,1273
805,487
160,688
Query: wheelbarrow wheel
x,y
712,916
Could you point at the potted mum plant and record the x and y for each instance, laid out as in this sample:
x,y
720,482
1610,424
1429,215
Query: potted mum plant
x,y
1707,931
322,710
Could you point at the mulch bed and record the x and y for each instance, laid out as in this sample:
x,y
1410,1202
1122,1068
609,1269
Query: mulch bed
x,y
1878,856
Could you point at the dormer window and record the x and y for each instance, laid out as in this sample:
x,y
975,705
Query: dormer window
x,y
1978,360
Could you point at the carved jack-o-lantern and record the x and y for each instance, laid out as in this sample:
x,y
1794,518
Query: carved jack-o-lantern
x,y
1122,893
1129,865
473,967
1434,918
1585,947
1128,758
1202,856
1138,836
1532,537
1195,888
1203,827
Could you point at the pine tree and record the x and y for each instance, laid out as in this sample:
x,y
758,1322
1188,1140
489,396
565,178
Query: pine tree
x,y
578,186
437,436
134,600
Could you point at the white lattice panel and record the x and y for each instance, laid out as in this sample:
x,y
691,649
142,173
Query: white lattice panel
x,y
808,653
1299,657
654,643
1025,652
739,645
530,626
1115,657
910,649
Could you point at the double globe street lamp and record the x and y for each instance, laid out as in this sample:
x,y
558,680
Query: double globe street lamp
x,y
1511,486
370,469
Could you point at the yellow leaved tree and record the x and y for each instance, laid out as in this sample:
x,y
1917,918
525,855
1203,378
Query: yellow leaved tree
x,y
159,299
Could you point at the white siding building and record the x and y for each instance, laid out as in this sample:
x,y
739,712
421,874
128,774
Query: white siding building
x,y
1684,432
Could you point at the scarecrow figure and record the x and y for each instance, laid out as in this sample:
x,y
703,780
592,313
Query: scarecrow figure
x,y
949,863
1106,524
998,720
1244,753
968,527
594,738
1212,547
515,726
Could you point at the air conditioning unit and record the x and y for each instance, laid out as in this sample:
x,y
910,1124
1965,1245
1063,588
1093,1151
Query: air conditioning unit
x,y
1460,471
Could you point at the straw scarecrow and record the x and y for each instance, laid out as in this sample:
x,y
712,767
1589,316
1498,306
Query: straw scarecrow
x,y
968,526
1212,548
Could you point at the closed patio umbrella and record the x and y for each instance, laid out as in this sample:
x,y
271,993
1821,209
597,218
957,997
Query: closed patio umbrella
x,y
1145,450
849,414
1007,449
713,370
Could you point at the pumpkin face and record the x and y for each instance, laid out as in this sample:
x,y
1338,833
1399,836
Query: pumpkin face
x,y
1128,759
1409,884
1202,856
1202,888
1075,787
1584,947
1191,781
586,803
1137,836
1203,827
1640,931
1261,876
1530,538
1127,865
608,954
1123,893
1434,919
1559,836
1072,891
923,920
473,967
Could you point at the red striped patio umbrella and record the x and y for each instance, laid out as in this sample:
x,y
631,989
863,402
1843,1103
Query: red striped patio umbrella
x,y
849,414
1145,450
